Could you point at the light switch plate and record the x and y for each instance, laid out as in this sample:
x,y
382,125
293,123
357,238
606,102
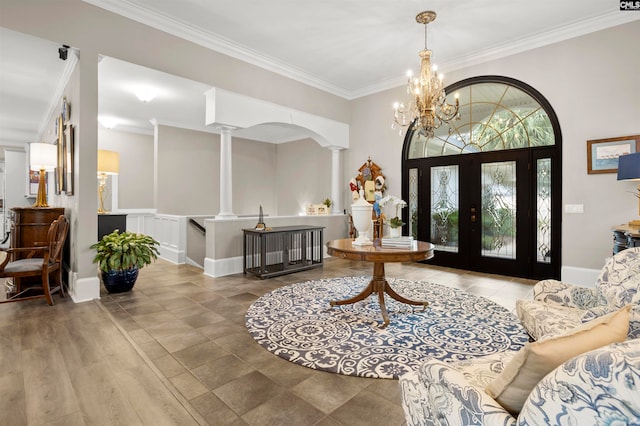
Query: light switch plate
x,y
574,208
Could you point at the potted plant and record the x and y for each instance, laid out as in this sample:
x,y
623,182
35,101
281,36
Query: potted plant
x,y
120,255
327,202
395,222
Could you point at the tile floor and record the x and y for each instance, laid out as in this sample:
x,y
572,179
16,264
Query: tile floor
x,y
189,329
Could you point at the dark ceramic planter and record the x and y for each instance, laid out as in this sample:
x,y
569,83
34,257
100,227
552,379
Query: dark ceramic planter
x,y
119,281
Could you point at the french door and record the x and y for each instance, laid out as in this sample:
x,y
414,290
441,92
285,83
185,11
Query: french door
x,y
490,212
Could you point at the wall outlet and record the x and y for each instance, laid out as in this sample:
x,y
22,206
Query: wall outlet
x,y
574,208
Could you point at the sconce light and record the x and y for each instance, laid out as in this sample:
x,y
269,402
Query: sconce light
x,y
108,164
42,158
629,169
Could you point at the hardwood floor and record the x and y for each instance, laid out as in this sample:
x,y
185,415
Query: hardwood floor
x,y
175,351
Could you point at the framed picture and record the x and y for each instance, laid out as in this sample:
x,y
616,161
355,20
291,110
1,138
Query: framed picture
x,y
602,154
34,181
60,168
68,158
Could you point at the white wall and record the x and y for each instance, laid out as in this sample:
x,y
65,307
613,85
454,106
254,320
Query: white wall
x,y
16,179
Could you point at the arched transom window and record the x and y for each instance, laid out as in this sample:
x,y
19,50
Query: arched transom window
x,y
494,116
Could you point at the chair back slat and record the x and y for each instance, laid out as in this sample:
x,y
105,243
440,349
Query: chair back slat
x,y
56,238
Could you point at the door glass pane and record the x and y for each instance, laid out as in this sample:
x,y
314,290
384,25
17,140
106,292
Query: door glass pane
x,y
543,212
494,116
499,209
413,203
445,207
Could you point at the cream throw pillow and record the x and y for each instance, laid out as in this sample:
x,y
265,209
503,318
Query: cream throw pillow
x,y
535,360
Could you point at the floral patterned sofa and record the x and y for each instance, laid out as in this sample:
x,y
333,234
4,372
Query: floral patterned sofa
x,y
599,387
587,375
557,306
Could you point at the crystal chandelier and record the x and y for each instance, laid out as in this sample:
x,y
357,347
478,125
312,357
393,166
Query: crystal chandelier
x,y
428,108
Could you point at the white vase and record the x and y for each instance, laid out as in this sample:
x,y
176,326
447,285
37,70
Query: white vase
x,y
395,232
361,214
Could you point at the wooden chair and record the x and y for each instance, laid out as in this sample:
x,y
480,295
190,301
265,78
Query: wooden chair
x,y
42,261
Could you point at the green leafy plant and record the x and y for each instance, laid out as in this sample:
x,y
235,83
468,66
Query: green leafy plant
x,y
327,202
121,251
395,221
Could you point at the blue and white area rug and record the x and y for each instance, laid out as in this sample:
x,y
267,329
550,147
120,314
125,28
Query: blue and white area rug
x,y
297,323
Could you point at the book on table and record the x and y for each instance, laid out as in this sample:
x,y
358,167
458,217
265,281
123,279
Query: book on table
x,y
397,242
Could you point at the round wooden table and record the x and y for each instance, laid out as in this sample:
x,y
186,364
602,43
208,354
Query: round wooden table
x,y
344,249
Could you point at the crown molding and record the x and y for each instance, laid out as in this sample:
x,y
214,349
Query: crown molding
x,y
228,47
546,38
556,35
54,104
214,42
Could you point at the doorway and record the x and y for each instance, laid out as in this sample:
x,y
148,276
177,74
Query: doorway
x,y
487,191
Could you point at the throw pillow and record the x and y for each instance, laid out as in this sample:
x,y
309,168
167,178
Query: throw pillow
x,y
535,360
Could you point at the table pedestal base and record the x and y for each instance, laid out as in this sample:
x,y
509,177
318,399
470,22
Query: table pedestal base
x,y
379,284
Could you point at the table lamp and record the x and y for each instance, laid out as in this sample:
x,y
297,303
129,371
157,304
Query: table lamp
x,y
43,158
108,164
629,169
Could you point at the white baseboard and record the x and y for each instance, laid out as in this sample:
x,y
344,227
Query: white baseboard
x,y
172,255
223,267
579,276
84,289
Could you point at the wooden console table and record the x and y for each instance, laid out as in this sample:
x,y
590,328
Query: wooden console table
x,y
282,250
378,255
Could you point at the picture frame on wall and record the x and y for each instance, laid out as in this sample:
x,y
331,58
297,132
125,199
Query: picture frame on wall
x,y
59,173
34,181
602,154
69,140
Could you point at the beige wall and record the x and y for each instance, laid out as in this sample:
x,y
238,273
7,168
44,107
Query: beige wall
x,y
135,180
303,175
187,171
264,174
254,177
591,82
97,32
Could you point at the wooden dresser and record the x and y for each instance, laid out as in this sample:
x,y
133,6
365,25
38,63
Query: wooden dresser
x,y
31,224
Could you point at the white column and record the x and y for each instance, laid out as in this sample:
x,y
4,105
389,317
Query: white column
x,y
226,184
336,171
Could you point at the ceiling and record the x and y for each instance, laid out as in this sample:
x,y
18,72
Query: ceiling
x,y
347,47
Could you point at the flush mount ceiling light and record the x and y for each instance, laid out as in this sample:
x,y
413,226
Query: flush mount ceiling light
x,y
145,94
428,108
108,122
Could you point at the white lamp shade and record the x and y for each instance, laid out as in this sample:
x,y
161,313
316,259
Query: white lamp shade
x,y
43,156
108,162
